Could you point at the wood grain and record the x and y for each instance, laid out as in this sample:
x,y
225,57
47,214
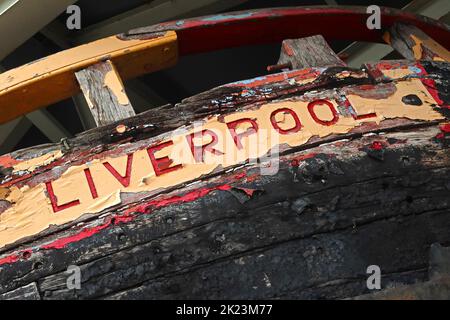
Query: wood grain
x,y
377,195
414,44
308,52
105,94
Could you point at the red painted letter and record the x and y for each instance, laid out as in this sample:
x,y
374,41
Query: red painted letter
x,y
91,183
296,128
355,115
364,116
237,137
124,180
199,151
54,201
311,107
162,165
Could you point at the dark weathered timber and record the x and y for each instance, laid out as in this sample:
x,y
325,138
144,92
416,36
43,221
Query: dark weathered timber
x,y
28,292
437,288
414,44
308,52
310,231
325,233
105,93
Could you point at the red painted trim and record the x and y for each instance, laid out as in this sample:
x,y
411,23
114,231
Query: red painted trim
x,y
295,162
8,161
445,128
274,25
288,49
85,233
430,85
299,75
9,259
127,217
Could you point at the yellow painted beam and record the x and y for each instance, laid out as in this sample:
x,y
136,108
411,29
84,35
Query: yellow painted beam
x,y
52,79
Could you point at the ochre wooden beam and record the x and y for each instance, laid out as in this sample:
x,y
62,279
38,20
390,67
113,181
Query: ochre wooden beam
x,y
105,94
52,79
414,44
149,49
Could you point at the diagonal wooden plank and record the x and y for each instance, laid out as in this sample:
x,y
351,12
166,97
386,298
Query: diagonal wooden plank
x,y
141,95
308,52
52,79
105,93
360,52
414,44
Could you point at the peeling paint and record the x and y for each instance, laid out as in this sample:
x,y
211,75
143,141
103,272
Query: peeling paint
x,y
440,53
52,78
221,17
290,123
115,85
31,165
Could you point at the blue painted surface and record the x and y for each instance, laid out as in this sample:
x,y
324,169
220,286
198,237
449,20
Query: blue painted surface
x,y
220,17
415,69
249,81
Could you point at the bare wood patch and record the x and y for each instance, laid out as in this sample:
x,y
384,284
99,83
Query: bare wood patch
x,y
105,93
414,44
308,52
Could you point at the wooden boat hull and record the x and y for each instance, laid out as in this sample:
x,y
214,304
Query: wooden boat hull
x,y
377,194
284,186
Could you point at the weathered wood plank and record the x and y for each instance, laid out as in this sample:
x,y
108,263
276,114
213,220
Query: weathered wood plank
x,y
105,93
414,44
307,53
28,292
295,204
291,268
386,175
54,161
437,288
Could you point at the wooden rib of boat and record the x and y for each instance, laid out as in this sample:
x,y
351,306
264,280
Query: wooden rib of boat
x,y
287,185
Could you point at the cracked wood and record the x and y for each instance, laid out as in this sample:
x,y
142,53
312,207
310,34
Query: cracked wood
x,y
414,44
105,94
299,233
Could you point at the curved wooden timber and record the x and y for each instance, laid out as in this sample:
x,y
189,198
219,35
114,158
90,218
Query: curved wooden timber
x,y
363,163
282,186
146,50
